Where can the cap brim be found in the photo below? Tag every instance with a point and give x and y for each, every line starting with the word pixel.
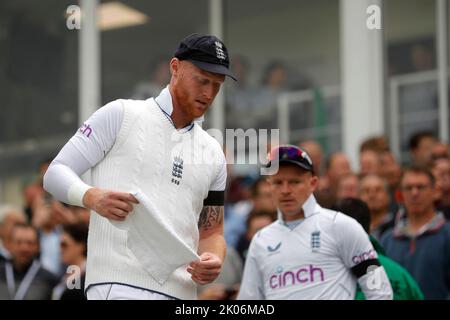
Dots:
pixel 214 68
pixel 287 161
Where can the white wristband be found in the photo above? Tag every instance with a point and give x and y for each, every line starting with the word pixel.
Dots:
pixel 76 193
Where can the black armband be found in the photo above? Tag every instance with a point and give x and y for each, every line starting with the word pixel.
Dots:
pixel 215 198
pixel 361 268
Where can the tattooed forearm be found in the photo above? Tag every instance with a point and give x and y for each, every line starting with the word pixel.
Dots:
pixel 210 217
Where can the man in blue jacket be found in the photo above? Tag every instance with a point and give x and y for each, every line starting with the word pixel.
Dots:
pixel 420 241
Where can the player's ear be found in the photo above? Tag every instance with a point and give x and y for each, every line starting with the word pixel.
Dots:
pixel 174 66
pixel 314 181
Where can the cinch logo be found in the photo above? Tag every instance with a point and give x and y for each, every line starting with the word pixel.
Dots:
pixel 85 129
pixel 364 256
pixel 303 275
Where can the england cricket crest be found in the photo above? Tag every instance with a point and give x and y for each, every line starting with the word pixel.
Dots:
pixel 219 51
pixel 315 241
pixel 177 170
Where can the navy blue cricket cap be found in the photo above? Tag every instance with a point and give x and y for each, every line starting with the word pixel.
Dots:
pixel 206 52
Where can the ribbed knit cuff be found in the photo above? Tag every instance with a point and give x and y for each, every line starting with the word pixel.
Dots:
pixel 76 193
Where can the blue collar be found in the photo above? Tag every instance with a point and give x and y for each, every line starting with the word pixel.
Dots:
pixel 164 101
pixel 291 224
pixel 401 228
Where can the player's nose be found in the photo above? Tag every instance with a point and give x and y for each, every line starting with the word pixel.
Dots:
pixel 285 188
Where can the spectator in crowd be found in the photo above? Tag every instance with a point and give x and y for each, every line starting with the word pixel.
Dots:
pixel 80 214
pixel 371 155
pixel 440 150
pixel 441 172
pixel 376 143
pixel 35 190
pixel 336 166
pixel 275 76
pixel 256 220
pixel 65 214
pixel 391 171
pixel 421 241
pixel 9 217
pixel 45 219
pixel 160 78
pixel 421 145
pixel 375 192
pixel 403 285
pixel 73 256
pixel 261 200
pixel 377 158
pixel 23 277
pixel 315 150
pixel 238 188
pixel 370 162
pixel 348 186
pixel 262 197
pixel 239 94
pixel 241 69
pixel 274 81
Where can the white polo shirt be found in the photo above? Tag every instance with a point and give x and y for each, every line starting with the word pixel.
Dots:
pixel 314 260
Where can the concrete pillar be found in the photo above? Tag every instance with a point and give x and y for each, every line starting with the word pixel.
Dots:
pixel 362 73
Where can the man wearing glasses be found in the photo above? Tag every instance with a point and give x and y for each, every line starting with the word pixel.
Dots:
pixel 309 252
pixel 420 241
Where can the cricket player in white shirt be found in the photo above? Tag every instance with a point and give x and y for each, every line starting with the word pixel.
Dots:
pixel 309 252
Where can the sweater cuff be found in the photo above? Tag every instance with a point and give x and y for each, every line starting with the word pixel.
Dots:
pixel 76 193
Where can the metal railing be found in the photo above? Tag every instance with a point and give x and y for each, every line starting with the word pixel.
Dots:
pixel 397 120
pixel 286 99
pixel 410 118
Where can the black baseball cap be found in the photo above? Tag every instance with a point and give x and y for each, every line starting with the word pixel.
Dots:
pixel 291 154
pixel 206 52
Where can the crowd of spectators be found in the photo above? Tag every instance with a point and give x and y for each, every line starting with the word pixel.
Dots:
pixel 43 247
pixel 407 208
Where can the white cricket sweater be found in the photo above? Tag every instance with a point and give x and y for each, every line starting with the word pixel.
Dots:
pixel 175 170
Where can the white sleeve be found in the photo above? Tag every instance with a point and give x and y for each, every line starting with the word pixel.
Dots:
pixel 252 285
pixel 358 254
pixel 220 180
pixel 354 245
pixel 84 150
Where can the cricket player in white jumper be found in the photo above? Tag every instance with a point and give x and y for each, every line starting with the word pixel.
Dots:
pixel 157 185
pixel 309 252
